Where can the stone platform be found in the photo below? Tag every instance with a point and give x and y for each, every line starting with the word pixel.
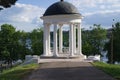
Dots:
pixel 61 58
pixel 64 57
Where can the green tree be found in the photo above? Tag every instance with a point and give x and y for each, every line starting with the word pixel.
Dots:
pixel 5 54
pixel 6 3
pixel 36 37
pixel 98 38
pixel 25 44
pixel 116 44
pixel 6 41
pixel 12 42
pixel 93 40
pixel 87 48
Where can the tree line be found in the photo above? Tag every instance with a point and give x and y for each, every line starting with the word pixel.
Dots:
pixel 15 44
pixel 98 39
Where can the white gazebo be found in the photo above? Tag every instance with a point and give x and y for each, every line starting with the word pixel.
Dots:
pixel 57 15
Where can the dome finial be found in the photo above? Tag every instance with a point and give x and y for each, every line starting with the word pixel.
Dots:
pixel 62 0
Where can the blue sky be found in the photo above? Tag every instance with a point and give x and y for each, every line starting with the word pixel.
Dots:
pixel 25 15
pixel 40 3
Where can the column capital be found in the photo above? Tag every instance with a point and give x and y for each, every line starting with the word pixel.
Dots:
pixel 71 23
pixel 47 24
pixel 60 25
pixel 55 24
pixel 76 24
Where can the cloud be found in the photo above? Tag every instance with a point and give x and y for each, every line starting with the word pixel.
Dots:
pixel 27 17
pixel 83 3
pixel 22 14
pixel 28 13
pixel 95 5
pixel 105 18
pixel 98 11
pixel 103 12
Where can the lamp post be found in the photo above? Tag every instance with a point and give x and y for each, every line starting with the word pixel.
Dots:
pixel 112 36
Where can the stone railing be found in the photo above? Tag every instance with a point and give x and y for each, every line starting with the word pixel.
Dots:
pixel 65 50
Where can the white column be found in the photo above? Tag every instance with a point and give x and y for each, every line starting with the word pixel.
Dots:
pixel 71 40
pixel 60 39
pixel 48 38
pixel 55 48
pixel 74 38
pixel 79 40
pixel 45 41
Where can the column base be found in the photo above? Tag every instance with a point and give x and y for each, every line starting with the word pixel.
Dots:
pixel 44 55
pixel 55 55
pixel 82 57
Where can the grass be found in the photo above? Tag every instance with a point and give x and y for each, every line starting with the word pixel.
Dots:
pixel 17 73
pixel 111 69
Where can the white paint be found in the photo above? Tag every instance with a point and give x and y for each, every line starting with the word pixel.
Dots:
pixel 45 41
pixel 71 46
pixel 74 39
pixel 55 47
pixel 62 19
pixel 60 39
pixel 79 40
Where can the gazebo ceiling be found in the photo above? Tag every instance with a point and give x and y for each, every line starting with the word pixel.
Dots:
pixel 61 8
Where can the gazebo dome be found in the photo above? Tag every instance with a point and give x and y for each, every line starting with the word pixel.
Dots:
pixel 61 8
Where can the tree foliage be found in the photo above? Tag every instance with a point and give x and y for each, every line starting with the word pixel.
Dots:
pixel 93 40
pixel 6 3
pixel 15 45
pixel 7 42
pixel 87 48
pixel 36 37
pixel 116 44
pixel 11 44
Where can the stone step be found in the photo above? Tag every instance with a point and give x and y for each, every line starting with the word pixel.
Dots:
pixel 64 57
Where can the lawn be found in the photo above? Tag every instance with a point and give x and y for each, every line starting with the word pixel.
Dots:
pixel 17 73
pixel 111 69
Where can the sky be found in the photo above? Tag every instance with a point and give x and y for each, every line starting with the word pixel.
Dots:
pixel 25 14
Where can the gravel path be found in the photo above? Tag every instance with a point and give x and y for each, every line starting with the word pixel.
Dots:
pixel 68 71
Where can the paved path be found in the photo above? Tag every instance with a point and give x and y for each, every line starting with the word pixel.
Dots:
pixel 68 71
